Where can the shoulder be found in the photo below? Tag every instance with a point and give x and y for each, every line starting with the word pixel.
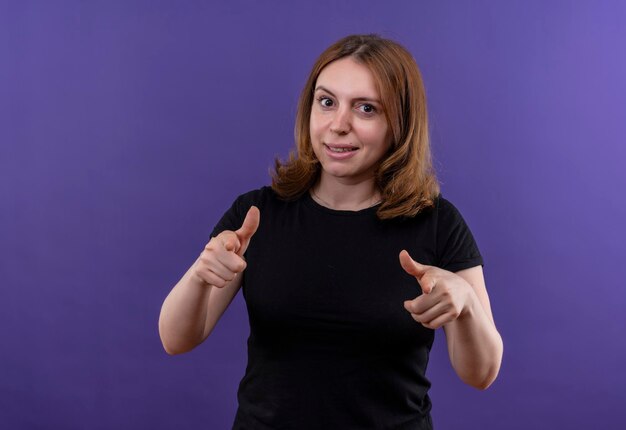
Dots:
pixel 456 246
pixel 232 219
pixel 440 210
pixel 257 194
pixel 258 197
pixel 445 206
pixel 446 212
pixel 449 221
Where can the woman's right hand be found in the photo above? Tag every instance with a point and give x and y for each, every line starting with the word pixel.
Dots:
pixel 222 258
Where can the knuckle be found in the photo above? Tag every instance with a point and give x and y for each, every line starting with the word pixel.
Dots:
pixel 204 259
pixel 227 234
pixel 211 244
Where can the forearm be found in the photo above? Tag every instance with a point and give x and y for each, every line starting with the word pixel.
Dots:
pixel 183 314
pixel 475 346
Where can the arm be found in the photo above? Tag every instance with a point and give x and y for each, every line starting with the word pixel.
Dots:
pixel 474 344
pixel 459 303
pixel 199 299
pixel 192 309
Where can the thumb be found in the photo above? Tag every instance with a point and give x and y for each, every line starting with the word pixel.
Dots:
pixel 411 266
pixel 248 228
pixel 250 224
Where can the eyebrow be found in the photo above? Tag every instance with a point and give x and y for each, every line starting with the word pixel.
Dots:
pixel 360 99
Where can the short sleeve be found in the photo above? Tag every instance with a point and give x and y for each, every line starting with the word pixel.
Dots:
pixel 234 216
pixel 456 247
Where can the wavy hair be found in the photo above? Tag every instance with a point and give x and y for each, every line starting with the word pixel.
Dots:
pixel 405 175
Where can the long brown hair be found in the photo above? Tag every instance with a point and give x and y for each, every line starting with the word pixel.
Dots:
pixel 405 175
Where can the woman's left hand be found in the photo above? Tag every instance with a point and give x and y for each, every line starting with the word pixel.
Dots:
pixel 446 296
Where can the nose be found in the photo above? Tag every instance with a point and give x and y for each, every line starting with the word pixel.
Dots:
pixel 341 121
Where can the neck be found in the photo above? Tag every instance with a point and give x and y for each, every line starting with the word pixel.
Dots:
pixel 335 194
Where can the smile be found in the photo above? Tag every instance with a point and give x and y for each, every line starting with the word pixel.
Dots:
pixel 340 152
pixel 340 149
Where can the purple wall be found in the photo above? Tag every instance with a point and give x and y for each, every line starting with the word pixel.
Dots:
pixel 127 128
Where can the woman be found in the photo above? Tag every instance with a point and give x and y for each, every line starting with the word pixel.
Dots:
pixel 352 260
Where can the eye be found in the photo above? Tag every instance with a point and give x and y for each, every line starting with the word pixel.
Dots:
pixel 367 108
pixel 325 101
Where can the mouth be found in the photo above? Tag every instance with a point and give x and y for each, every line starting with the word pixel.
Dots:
pixel 338 149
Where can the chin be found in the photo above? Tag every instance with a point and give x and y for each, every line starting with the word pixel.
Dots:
pixel 338 171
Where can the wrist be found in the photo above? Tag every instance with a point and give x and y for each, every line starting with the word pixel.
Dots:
pixel 195 280
pixel 471 304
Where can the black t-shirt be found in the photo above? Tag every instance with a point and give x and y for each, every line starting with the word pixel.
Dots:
pixel 331 345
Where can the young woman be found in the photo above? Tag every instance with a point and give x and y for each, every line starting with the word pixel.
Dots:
pixel 349 262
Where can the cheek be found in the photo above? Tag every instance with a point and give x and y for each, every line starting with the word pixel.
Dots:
pixel 314 136
pixel 313 126
pixel 316 128
pixel 379 134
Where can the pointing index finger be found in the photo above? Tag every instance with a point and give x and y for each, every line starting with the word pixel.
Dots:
pixel 230 241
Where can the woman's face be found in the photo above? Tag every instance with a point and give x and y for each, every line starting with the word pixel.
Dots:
pixel 349 131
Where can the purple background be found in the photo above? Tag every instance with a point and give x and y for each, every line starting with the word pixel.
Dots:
pixel 127 128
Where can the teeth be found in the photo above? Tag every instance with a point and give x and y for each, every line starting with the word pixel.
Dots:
pixel 340 149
